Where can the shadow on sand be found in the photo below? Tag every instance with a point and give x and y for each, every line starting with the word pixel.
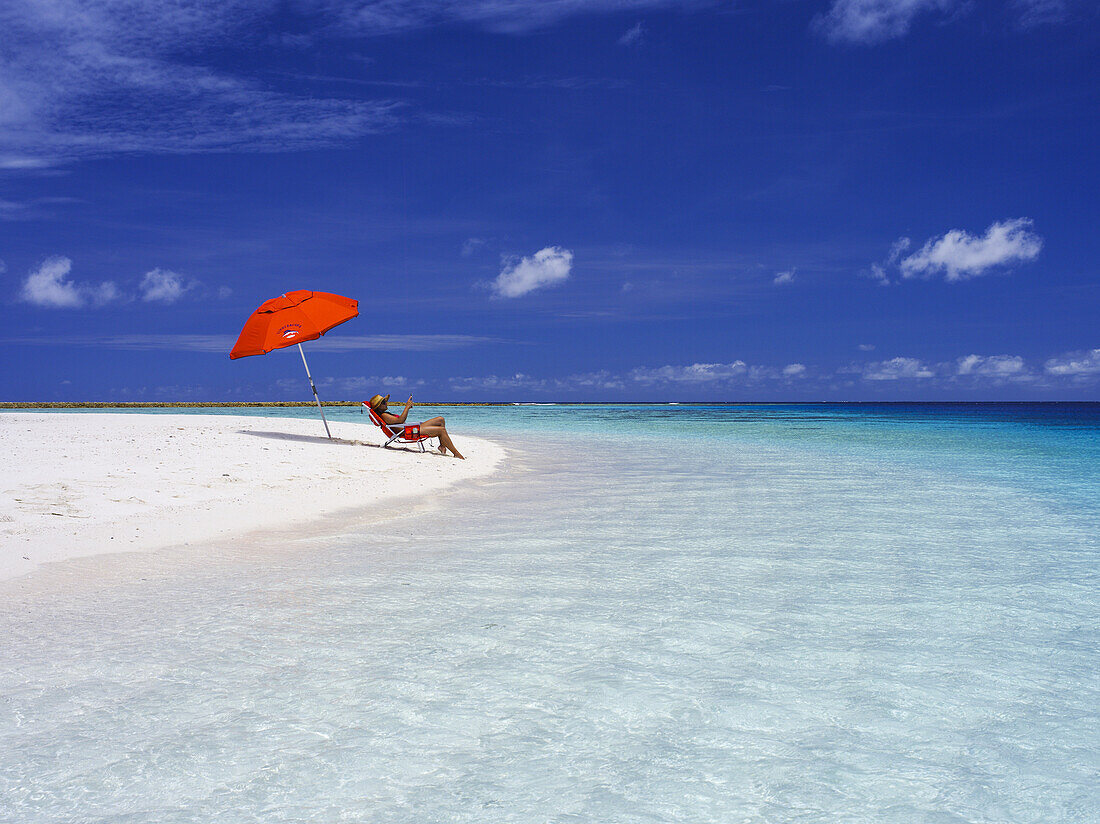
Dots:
pixel 289 436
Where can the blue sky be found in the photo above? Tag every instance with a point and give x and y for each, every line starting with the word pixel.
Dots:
pixel 601 200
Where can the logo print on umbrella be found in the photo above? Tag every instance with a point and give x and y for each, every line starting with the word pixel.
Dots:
pixel 291 330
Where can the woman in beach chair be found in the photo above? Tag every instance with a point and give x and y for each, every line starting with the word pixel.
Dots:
pixel 431 428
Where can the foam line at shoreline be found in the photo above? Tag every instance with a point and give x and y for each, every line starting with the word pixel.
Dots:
pixel 80 484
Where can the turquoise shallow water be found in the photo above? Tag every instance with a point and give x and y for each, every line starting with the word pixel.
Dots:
pixel 758 614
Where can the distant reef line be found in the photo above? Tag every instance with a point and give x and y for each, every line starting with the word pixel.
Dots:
pixel 303 404
pixel 198 405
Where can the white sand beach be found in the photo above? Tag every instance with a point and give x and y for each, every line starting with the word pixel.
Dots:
pixel 81 484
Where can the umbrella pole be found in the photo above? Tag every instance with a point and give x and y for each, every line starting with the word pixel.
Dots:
pixel 314 388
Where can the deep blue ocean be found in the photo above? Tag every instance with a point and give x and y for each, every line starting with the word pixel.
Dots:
pixel 677 613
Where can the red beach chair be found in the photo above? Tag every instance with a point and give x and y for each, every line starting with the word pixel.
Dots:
pixel 408 433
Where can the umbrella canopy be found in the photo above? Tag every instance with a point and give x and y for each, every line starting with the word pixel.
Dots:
pixel 292 319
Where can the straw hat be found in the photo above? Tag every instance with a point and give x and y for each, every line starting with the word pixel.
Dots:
pixel 378 400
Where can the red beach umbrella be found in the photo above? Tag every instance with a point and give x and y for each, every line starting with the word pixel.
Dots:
pixel 290 320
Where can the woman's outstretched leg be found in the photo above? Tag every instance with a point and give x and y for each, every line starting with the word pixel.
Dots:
pixel 438 421
pixel 445 441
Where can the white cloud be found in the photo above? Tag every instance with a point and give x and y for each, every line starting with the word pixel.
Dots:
pixel 87 78
pixel 140 343
pixel 163 286
pixel 897 369
pixel 223 343
pixel 878 274
pixel 106 292
pixel 10 210
pixel 90 78
pixel 361 385
pixel 500 382
pixel 960 255
pixel 32 209
pixel 472 245
pixel 546 267
pixel 597 380
pixel 21 163
pixel 969 372
pixel 993 366
pixel 585 380
pixel 899 247
pixel 505 16
pixel 399 343
pixel 695 373
pixel 633 36
pixel 878 271
pixel 698 374
pixel 782 278
pixel 49 286
pixel 868 22
pixel 1074 364
pixel 1041 12
pixel 866 347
